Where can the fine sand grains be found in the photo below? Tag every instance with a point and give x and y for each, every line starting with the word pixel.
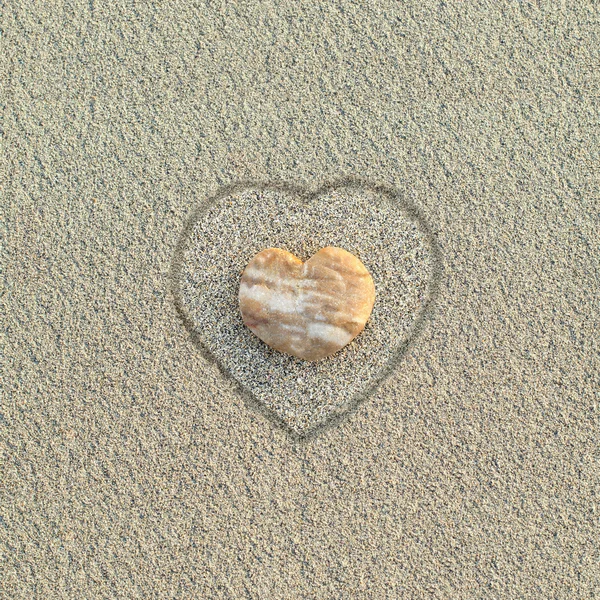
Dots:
pixel 367 223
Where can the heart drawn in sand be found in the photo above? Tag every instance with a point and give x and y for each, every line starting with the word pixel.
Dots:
pixel 330 338
pixel 309 310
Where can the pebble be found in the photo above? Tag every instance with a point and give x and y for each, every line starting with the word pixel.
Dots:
pixel 309 310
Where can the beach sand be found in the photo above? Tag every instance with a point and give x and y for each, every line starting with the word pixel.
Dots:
pixel 132 467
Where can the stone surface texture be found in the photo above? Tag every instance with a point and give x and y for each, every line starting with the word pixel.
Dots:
pixel 309 310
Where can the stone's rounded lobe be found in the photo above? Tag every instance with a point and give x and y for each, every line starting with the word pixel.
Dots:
pixel 309 310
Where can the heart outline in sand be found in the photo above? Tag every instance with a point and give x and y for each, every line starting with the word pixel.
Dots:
pixel 307 197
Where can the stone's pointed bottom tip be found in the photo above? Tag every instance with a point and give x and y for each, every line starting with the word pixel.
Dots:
pixel 309 310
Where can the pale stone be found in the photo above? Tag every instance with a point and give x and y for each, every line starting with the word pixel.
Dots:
pixel 309 310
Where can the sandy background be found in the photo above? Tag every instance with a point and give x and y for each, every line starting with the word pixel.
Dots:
pixel 130 467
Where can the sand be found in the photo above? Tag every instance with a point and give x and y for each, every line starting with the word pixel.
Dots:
pixel 132 467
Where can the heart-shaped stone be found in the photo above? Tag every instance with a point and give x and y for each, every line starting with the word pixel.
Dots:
pixel 309 310
pixel 373 223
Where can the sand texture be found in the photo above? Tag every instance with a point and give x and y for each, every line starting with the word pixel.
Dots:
pixel 132 467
